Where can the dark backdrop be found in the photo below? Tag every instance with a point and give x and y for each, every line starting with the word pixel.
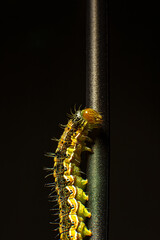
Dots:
pixel 135 120
pixel 42 76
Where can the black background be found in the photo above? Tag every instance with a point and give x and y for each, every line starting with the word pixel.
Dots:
pixel 43 76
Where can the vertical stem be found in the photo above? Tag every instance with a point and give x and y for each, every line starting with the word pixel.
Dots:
pixel 97 97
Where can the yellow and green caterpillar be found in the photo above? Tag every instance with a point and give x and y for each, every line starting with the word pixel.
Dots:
pixel 69 184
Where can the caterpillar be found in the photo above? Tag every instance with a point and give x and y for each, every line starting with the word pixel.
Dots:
pixel 69 185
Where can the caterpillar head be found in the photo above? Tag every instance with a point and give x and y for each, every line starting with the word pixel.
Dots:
pixel 92 117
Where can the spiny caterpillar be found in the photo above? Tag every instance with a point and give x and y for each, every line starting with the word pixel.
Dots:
pixel 69 184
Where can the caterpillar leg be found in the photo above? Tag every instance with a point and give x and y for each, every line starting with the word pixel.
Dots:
pixel 87 149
